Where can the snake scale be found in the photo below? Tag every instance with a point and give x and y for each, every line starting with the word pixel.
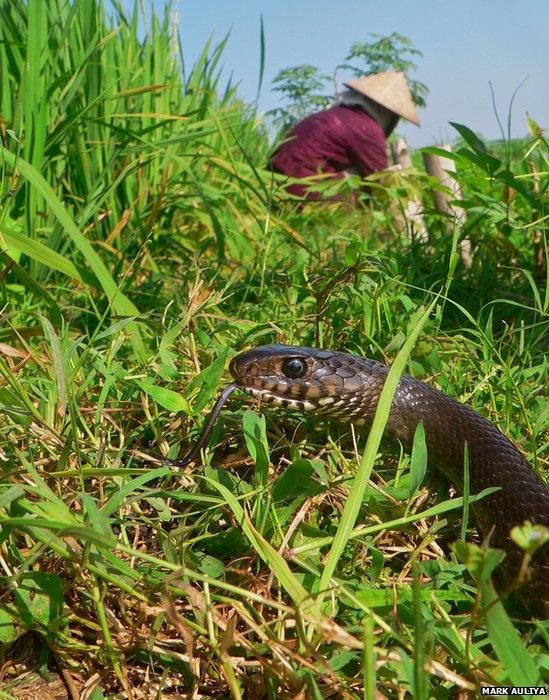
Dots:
pixel 347 388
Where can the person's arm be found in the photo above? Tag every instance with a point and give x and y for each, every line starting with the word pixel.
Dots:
pixel 366 149
pixel 368 157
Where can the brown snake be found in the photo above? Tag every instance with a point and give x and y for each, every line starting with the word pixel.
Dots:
pixel 346 388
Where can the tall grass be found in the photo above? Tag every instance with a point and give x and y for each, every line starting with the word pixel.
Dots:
pixel 142 244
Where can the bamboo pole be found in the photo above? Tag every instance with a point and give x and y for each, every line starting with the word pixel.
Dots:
pixel 413 211
pixel 443 169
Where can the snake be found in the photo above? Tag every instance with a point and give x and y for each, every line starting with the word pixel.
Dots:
pixel 344 387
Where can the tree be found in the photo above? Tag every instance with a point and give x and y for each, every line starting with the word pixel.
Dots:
pixel 387 53
pixel 301 88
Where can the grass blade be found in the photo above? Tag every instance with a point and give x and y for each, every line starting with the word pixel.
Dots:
pixel 353 503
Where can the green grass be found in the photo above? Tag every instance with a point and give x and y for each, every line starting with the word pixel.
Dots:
pixel 142 245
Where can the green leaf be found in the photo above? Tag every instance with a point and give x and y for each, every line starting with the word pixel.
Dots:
pixel 168 399
pixel 376 566
pixel 211 566
pixel 530 537
pixel 341 659
pixel 469 136
pixel 387 597
pixel 485 162
pixel 115 328
pixel 418 459
pixel 421 682
pixel 208 381
pixel 10 629
pixel 46 256
pixel 255 435
pixel 36 602
pixel 369 659
pixel 433 150
pixel 297 480
pixel 58 365
pixel 510 650
pixel 480 562
pixel 12 494
pixel 466 492
pixel 96 517
pixel 115 502
pixel 509 179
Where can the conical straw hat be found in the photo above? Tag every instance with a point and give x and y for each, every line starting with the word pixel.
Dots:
pixel 390 90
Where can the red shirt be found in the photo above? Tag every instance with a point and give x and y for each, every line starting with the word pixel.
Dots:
pixel 339 139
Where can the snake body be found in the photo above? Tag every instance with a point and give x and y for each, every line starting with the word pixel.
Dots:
pixel 345 387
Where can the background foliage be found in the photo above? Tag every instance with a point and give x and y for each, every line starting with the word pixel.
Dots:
pixel 142 244
pixel 304 89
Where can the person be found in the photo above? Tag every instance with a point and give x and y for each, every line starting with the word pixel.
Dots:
pixel 349 137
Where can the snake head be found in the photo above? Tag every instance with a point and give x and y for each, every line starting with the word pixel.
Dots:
pixel 303 379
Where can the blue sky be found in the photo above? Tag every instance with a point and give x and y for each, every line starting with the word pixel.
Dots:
pixel 465 46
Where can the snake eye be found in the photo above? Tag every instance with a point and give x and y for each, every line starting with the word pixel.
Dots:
pixel 294 368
